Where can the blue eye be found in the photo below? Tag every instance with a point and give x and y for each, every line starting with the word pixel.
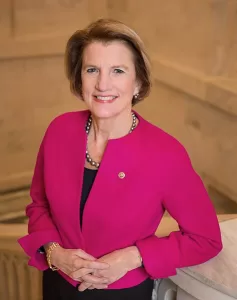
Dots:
pixel 118 71
pixel 91 70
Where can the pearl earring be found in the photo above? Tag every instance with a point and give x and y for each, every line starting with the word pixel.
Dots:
pixel 136 95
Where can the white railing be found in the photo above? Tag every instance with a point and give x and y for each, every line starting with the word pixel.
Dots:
pixel 18 281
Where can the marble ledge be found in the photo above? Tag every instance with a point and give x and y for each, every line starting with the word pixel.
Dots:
pixel 218 91
pixel 217 278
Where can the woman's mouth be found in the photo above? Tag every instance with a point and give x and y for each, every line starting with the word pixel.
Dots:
pixel 105 99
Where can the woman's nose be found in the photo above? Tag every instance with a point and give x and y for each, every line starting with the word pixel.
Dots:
pixel 103 82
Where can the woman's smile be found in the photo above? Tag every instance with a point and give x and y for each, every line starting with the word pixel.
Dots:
pixel 105 99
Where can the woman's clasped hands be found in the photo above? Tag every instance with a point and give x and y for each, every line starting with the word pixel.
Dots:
pixel 93 273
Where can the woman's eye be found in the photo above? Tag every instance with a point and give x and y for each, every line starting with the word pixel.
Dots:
pixel 118 71
pixel 91 70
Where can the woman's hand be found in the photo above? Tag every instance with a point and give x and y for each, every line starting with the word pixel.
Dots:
pixel 77 264
pixel 120 261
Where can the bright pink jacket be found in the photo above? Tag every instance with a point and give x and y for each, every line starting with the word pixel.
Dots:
pixel 120 212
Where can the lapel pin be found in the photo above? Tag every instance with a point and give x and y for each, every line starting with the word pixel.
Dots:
pixel 121 175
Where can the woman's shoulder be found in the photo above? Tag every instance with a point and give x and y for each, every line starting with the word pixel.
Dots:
pixel 66 125
pixel 67 120
pixel 70 117
pixel 163 141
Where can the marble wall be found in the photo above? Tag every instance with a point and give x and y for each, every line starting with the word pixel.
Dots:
pixel 193 48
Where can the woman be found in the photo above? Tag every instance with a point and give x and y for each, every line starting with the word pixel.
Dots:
pixel 104 178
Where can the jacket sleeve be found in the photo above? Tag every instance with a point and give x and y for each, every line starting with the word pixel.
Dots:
pixel 199 237
pixel 41 229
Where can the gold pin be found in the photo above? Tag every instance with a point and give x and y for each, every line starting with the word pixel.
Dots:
pixel 121 175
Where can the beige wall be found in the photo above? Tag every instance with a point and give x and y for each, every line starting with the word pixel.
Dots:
pixel 193 47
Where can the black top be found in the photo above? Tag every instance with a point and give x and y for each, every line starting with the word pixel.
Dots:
pixel 88 180
pixel 55 287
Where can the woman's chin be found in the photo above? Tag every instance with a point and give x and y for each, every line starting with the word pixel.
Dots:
pixel 103 113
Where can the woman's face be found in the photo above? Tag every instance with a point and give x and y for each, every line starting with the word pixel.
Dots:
pixel 108 78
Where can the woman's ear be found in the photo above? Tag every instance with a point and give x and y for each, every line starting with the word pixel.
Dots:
pixel 137 89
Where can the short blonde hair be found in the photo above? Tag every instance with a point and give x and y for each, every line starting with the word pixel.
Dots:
pixel 106 31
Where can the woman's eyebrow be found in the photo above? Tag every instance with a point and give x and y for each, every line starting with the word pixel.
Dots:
pixel 89 66
pixel 120 66
pixel 113 67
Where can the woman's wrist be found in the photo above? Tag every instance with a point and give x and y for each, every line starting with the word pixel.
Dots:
pixel 134 259
pixel 52 249
pixel 46 246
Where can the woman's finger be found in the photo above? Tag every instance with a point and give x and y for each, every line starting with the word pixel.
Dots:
pixel 96 265
pixel 83 286
pixel 91 287
pixel 82 263
pixel 80 273
pixel 87 276
pixel 98 286
pixel 95 280
pixel 82 254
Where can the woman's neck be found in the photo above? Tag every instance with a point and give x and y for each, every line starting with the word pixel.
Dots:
pixel 104 129
pixel 110 128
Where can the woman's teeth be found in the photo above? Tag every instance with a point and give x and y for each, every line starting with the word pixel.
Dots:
pixel 106 98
